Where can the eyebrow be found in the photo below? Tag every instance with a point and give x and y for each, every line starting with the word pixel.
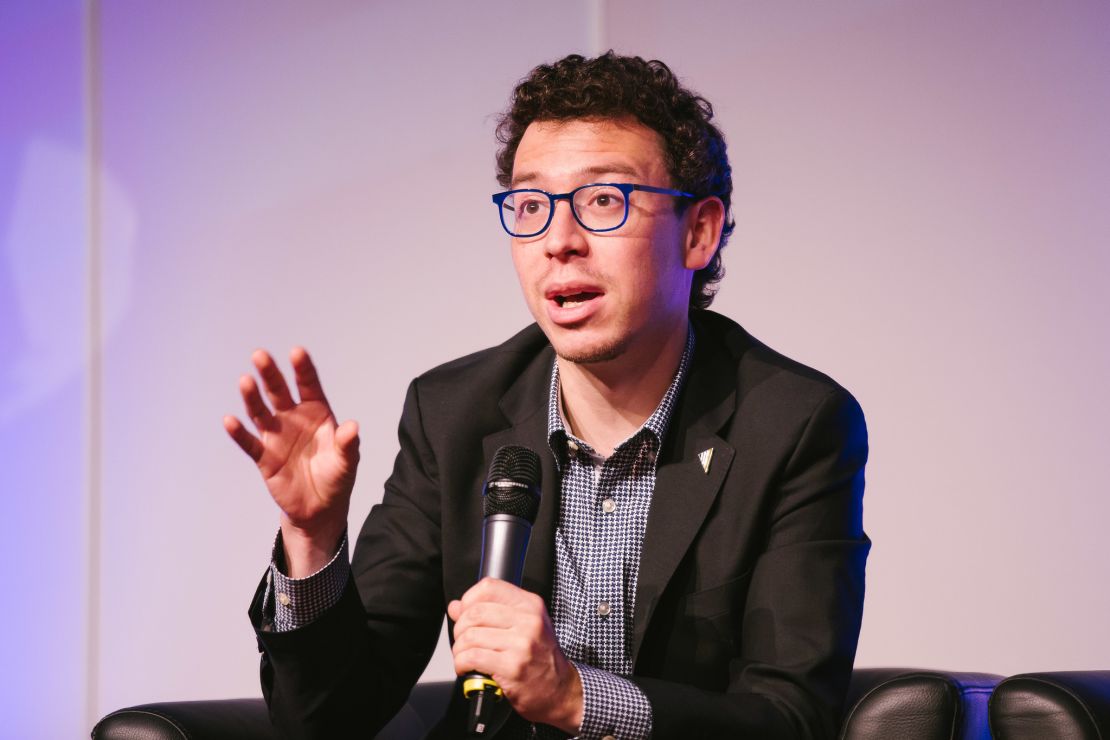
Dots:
pixel 602 169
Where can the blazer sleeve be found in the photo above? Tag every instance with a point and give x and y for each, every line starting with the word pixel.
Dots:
pixel 801 619
pixel 347 673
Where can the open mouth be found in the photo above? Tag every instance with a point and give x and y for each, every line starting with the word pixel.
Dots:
pixel 574 299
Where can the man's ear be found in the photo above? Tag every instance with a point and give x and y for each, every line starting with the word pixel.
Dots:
pixel 704 222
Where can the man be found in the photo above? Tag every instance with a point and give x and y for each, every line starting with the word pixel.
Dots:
pixel 696 568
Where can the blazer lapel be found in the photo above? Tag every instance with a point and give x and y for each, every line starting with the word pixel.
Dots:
pixel 525 405
pixel 684 489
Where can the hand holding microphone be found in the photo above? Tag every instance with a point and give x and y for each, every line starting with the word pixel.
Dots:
pixel 505 645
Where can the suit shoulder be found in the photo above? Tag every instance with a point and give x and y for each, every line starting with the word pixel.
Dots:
pixel 764 373
pixel 487 373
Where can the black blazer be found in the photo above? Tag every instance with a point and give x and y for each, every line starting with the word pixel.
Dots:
pixel 751 582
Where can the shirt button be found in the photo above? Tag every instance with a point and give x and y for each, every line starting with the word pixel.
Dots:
pixel 603 608
pixel 572 445
pixel 608 506
pixel 284 599
pixel 608 737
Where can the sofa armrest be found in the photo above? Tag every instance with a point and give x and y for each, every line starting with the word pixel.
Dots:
pixel 248 719
pixel 1043 706
pixel 221 719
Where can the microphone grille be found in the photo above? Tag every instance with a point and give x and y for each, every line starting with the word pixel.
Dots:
pixel 515 463
pixel 513 484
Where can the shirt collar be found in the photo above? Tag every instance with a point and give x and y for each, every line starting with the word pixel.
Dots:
pixel 656 424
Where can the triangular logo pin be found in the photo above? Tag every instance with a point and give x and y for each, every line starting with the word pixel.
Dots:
pixel 706 457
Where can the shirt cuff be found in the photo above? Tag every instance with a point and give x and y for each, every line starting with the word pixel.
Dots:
pixel 612 707
pixel 297 602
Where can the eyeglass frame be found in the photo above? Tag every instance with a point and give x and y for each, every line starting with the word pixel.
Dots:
pixel 553 199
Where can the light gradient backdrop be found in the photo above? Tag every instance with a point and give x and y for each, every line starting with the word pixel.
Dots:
pixel 922 207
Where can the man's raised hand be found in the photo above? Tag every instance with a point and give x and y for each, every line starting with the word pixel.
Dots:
pixel 307 461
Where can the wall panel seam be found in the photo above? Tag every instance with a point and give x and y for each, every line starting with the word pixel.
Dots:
pixel 94 389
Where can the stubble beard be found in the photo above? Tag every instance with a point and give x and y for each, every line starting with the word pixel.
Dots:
pixel 610 350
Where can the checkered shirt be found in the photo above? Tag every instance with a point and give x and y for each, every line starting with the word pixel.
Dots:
pixel 602 519
pixel 290 603
pixel 603 514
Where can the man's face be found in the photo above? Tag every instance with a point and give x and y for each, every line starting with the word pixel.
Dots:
pixel 599 296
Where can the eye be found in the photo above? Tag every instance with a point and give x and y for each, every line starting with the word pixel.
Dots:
pixel 605 198
pixel 528 205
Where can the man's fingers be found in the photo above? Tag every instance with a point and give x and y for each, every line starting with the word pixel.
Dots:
pixel 308 381
pixel 485 614
pixel 478 659
pixel 257 410
pixel 346 440
pixel 498 639
pixel 503 592
pixel 276 389
pixel 249 443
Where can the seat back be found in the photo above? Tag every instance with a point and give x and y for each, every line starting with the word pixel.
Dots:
pixel 1063 705
pixel 914 704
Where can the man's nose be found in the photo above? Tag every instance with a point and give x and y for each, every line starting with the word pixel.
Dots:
pixel 564 236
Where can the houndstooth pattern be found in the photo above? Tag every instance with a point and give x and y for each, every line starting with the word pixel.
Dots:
pixel 603 515
pixel 597 559
pixel 296 602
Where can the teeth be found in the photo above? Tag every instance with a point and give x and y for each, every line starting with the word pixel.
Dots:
pixel 577 299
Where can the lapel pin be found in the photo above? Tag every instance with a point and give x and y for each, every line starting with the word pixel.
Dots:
pixel 706 457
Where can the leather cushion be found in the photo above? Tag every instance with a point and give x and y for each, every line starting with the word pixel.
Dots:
pixel 917 705
pixel 1065 705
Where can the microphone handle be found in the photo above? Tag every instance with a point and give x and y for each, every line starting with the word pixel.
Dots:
pixel 504 542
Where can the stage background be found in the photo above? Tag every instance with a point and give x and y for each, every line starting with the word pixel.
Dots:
pixel 922 212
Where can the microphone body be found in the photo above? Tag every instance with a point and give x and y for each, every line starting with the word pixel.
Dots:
pixel 504 543
pixel 511 499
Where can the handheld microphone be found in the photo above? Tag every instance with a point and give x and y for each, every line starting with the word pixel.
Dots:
pixel 510 503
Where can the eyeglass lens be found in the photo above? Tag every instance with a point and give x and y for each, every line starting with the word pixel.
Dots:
pixel 598 208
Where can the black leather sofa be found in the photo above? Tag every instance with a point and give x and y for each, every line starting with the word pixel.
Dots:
pixel 883 704
pixel 1071 705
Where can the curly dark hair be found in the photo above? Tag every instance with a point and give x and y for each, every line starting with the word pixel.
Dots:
pixel 614 86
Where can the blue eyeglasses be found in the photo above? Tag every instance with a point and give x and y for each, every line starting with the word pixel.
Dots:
pixel 597 207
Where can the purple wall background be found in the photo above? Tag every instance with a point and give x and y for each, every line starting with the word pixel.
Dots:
pixel 922 213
